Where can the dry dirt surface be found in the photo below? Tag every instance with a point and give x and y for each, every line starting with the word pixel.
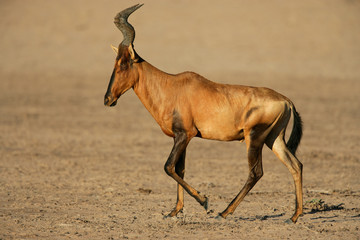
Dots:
pixel 71 168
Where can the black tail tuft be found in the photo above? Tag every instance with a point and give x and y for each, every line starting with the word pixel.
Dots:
pixel 296 133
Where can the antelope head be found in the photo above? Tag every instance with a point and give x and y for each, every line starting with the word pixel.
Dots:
pixel 125 72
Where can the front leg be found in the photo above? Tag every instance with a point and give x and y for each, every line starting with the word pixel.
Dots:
pixel 180 170
pixel 180 143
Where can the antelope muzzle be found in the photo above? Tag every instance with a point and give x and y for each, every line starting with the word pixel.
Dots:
pixel 109 100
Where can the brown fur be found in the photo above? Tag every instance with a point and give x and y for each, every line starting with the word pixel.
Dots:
pixel 187 105
pixel 212 111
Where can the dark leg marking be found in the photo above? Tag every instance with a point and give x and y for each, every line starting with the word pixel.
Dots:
pixel 180 143
pixel 251 111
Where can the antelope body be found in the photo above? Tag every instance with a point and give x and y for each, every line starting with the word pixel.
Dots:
pixel 187 105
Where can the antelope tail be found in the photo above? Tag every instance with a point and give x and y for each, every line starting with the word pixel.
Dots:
pixel 296 132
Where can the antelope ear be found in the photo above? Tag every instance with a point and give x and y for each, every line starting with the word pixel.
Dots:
pixel 116 50
pixel 132 53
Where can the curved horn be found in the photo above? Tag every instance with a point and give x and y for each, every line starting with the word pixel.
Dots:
pixel 121 22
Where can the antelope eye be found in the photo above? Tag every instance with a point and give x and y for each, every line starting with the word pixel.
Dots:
pixel 123 66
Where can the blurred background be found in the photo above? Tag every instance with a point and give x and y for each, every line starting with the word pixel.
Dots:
pixel 57 53
pixel 65 157
pixel 307 38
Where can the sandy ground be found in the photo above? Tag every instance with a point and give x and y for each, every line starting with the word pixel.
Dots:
pixel 71 168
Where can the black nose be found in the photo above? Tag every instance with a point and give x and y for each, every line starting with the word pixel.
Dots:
pixel 106 100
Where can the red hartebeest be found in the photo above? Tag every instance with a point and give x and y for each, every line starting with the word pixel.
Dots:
pixel 187 105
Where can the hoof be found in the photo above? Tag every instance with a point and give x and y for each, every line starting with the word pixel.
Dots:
pixel 219 217
pixel 173 213
pixel 206 203
pixel 289 221
pixel 170 217
pixel 295 218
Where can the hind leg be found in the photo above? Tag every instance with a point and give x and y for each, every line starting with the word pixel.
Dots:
pixel 254 151
pixel 295 167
